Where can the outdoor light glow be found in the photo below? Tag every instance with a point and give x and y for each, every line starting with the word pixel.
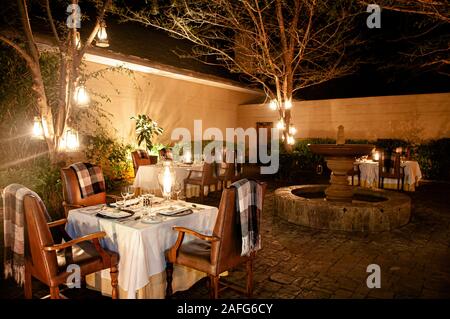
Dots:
pixel 188 157
pixel 376 156
pixel 273 104
pixel 69 141
pixel 398 150
pixel 102 36
pixel 292 130
pixel 290 140
pixel 38 131
pixel 72 140
pixel 77 40
pixel 81 96
pixel 288 104
pixel 280 125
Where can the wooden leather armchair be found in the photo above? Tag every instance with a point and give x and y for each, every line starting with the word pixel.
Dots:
pixel 228 174
pixel 389 166
pixel 206 178
pixel 138 161
pixel 213 254
pixel 72 195
pixel 43 262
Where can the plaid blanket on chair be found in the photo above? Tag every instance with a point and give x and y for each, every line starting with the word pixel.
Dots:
pixel 142 154
pixel 249 202
pixel 90 179
pixel 14 231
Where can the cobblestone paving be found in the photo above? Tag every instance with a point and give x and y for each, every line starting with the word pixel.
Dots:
pixel 298 262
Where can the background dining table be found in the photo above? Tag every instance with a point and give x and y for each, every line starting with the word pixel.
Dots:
pixel 369 175
pixel 147 177
pixel 141 247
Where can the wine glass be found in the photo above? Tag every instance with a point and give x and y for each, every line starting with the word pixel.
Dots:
pixel 124 190
pixel 177 189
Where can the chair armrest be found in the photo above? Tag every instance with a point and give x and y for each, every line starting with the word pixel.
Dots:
pixel 56 223
pixel 173 251
pixel 72 242
pixel 114 197
pixel 72 206
pixel 196 234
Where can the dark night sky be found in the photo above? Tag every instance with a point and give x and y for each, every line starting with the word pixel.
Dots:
pixel 383 71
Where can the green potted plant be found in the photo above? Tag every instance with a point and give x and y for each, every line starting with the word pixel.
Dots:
pixel 146 131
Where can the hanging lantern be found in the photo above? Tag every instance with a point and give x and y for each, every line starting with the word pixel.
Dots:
pixel 290 140
pixel 38 131
pixel 273 104
pixel 81 96
pixel 69 141
pixel 288 104
pixel 102 37
pixel 77 40
pixel 281 125
pixel 292 130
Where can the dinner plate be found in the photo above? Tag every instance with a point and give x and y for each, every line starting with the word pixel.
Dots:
pixel 151 220
pixel 110 215
pixel 177 214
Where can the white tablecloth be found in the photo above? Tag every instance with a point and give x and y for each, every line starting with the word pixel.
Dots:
pixel 140 246
pixel 369 175
pixel 147 177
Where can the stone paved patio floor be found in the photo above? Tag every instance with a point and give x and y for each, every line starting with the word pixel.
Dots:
pixel 299 262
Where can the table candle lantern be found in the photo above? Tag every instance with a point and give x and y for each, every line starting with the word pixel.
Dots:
pixel 166 179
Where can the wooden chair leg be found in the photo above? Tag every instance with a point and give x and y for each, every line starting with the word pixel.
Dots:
pixel 28 285
pixel 54 292
pixel 169 274
pixel 114 273
pixel 202 193
pixel 250 278
pixel 214 289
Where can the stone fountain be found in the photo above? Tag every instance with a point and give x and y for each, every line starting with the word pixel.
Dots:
pixel 340 206
pixel 340 159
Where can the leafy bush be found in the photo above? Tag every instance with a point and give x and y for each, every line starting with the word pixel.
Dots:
pixel 113 156
pixel 40 176
pixel 432 156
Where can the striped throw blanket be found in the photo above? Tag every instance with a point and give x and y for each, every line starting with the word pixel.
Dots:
pixel 90 179
pixel 249 201
pixel 14 230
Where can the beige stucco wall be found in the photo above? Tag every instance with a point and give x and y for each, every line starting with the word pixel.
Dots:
pixel 421 116
pixel 171 102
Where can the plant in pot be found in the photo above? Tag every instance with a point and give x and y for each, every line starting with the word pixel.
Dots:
pixel 146 131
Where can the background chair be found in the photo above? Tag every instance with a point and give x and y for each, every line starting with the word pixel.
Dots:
pixel 139 160
pixel 389 166
pixel 43 262
pixel 227 173
pixel 206 178
pixel 72 194
pixel 214 254
pixel 355 172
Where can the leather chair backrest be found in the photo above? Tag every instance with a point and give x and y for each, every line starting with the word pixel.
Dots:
pixel 389 164
pixel 72 193
pixel 208 173
pixel 138 161
pixel 38 236
pixel 226 253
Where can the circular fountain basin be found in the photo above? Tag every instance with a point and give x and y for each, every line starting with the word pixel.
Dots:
pixel 342 150
pixel 369 211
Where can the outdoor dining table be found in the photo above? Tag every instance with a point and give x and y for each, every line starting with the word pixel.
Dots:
pixel 147 177
pixel 141 247
pixel 369 175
